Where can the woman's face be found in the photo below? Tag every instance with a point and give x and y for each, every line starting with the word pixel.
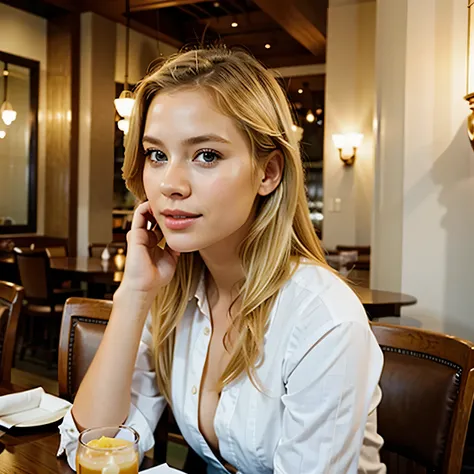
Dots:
pixel 197 162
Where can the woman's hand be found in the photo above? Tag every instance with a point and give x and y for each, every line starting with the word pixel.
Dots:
pixel 148 267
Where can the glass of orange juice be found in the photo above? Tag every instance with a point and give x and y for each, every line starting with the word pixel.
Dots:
pixel 108 450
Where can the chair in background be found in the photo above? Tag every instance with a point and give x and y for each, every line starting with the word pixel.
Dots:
pixel 11 300
pixel 360 249
pixel 428 388
pixel 58 251
pixel 95 250
pixel 44 302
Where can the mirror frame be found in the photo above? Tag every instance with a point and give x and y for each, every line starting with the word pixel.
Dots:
pixel 34 67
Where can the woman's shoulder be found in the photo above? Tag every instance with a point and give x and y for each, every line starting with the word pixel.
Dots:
pixel 319 292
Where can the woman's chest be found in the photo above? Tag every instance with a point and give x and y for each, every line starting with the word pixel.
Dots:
pixel 244 420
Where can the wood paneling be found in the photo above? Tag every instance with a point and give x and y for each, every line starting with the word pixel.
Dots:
pixel 305 20
pixel 62 123
pixel 138 5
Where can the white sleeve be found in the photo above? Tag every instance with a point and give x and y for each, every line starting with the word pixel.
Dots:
pixel 329 387
pixel 146 407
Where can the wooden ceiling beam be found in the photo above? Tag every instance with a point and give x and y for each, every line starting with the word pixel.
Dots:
pixel 114 10
pixel 276 61
pixel 140 5
pixel 305 20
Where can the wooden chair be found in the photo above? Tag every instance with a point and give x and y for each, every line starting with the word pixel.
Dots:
pixel 11 299
pixel 95 250
pixel 44 302
pixel 83 326
pixel 427 394
pixel 59 251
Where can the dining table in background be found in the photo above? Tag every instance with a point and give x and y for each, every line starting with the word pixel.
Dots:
pixel 94 271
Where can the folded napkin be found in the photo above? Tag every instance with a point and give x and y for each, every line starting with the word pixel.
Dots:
pixel 161 469
pixel 30 406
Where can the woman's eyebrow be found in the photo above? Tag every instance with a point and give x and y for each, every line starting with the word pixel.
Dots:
pixel 189 141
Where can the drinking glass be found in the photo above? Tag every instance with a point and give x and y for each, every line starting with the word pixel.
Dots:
pixel 118 454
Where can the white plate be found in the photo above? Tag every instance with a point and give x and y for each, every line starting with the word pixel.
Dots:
pixel 46 420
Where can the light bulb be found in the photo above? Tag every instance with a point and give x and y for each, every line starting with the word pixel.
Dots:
pixel 123 125
pixel 7 113
pixel 124 104
pixel 339 141
pixel 300 91
pixel 310 116
pixel 268 46
pixel 234 24
pixel 355 139
pixel 3 134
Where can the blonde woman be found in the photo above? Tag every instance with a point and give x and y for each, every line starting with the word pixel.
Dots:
pixel 264 355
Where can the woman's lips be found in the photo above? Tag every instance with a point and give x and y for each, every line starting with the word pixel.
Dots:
pixel 174 223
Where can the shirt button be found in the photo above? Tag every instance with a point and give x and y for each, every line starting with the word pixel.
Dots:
pixel 207 331
pixel 194 390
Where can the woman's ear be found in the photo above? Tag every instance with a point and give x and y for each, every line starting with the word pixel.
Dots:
pixel 271 173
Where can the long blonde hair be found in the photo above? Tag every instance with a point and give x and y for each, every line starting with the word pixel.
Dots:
pixel 282 231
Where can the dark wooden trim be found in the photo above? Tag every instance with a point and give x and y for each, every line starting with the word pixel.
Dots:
pixel 74 150
pixel 34 67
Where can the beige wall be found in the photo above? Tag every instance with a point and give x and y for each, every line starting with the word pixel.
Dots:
pixel 24 35
pixel 96 131
pixel 349 107
pixel 143 50
pixel 433 169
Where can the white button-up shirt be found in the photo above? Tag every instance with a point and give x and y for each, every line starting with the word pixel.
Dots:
pixel 320 373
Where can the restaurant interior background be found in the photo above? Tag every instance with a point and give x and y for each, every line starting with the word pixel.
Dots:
pixel 378 89
pixel 390 75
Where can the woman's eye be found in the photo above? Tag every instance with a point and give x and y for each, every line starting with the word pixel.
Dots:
pixel 207 156
pixel 155 156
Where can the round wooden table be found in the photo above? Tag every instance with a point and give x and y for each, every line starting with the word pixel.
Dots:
pixel 379 304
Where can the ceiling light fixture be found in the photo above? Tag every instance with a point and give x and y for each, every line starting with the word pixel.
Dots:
pixel 234 24
pixel 310 116
pixel 268 46
pixel 124 104
pixel 300 91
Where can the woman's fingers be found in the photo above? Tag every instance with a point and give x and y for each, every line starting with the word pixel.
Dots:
pixel 142 215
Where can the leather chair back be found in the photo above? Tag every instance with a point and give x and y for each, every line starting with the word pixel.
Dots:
pixel 82 328
pixel 11 300
pixel 427 393
pixel 35 275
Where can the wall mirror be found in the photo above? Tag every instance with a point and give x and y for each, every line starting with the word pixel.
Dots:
pixel 19 91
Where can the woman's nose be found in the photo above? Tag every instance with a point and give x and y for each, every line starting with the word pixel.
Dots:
pixel 175 181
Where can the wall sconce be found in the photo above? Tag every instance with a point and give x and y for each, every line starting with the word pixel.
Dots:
pixel 123 125
pixel 343 142
pixel 470 71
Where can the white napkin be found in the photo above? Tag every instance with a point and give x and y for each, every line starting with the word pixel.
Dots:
pixel 30 406
pixel 161 469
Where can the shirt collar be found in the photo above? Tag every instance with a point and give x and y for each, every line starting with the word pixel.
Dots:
pixel 198 289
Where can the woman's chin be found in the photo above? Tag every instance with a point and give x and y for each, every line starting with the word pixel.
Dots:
pixel 182 247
